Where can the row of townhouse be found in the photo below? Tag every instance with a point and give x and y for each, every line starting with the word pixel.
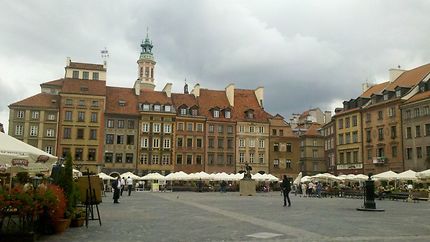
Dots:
pixel 117 129
pixel 386 128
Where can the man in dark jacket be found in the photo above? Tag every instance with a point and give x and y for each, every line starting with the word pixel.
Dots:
pixel 286 188
pixel 116 185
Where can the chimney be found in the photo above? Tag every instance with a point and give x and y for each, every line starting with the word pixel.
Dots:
pixel 259 94
pixel 168 89
pixel 395 73
pixel 196 90
pixel 68 60
pixel 365 86
pixel 229 92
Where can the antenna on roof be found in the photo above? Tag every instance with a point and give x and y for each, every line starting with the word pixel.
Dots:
pixel 105 55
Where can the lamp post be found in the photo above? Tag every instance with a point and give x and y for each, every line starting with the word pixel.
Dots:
pixel 369 197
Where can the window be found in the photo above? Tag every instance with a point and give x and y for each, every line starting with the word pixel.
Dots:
pixel 95 75
pixel 91 154
pixel 250 114
pixel 79 154
pixel 241 129
pixel 355 156
pixel 230 143
pixel 85 75
pixel 408 132
pixel 33 130
pixel 368 117
pixel 167 128
pixel 143 158
pixel 51 116
pixel 145 127
pixel 251 157
pixel 393 132
pixel 50 132
pixel 165 159
pixel 80 134
pixel 109 138
pixel 118 157
pixel 183 111
pixel 179 159
pixel 288 163
pixel 381 134
pixel 427 127
pixel 381 152
pixel 419 153
pixel 380 115
pixel 108 157
pixel 68 116
pixel 289 147
pixel 211 128
pixel 49 150
pixel 394 151
pixel 229 129
pixel 145 107
pixel 354 121
pixel 130 139
pixel 391 112
pixel 120 139
pixel 261 129
pixel 241 143
pixel 241 157
pixel 261 158
pixel 35 115
pixel 220 129
pixel 216 113
pixel 354 137
pixel 314 153
pixel 130 124
pixel 276 163
pixel 94 103
pixel 179 142
pixel 120 124
pixel 144 142
pixel 340 124
pixel 75 74
pixel 398 93
pixel 199 143
pixel 129 158
pixel 261 143
pixel 19 129
pixel 110 123
pixel 166 143
pixel 347 138
pixel 211 143
pixel 347 121
pixel 251 129
pixel 81 116
pixel 180 126
pixel 189 142
pixel 340 139
pixel 67 133
pixel 220 143
pixel 81 103
pixel 94 117
pixel 416 112
pixel 281 132
pixel 189 159
pixel 156 143
pixel 227 114
pixel 167 108
pixel 418 131
pixel 199 127
pixel 276 147
pixel 251 142
pixel 156 128
pixel 194 112
pixel 157 107
pixel 408 114
pixel 369 154
pixel 428 151
pixel 190 126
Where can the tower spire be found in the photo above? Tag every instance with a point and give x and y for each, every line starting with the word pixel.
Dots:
pixel 146 64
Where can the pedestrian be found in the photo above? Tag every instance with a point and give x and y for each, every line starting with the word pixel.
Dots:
pixel 223 186
pixel 286 188
pixel 116 185
pixel 304 189
pixel 129 185
pixel 122 185
pixel 319 189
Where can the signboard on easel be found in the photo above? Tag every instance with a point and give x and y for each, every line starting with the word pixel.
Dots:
pixel 96 184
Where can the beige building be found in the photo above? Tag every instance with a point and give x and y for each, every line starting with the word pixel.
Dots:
pixel 312 159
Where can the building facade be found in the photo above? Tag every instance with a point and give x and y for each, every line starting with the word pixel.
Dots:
pixel 329 133
pixel 312 159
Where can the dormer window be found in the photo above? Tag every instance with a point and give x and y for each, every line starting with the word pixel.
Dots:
pixel 227 114
pixel 84 89
pixel 167 108
pixel 385 96
pixel 216 113
pixel 249 114
pixel 194 112
pixel 75 74
pixel 183 111
pixel 85 75
pixel 121 103
pixel 398 92
pixel 157 107
pixel 145 107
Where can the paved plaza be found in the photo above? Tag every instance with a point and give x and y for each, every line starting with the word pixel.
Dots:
pixel 189 216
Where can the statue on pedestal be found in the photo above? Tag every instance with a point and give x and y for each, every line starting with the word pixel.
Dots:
pixel 248 170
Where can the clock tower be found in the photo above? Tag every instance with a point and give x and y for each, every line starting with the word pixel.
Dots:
pixel 146 65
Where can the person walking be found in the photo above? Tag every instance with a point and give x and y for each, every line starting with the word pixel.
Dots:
pixel 129 185
pixel 286 188
pixel 304 189
pixel 116 185
pixel 122 185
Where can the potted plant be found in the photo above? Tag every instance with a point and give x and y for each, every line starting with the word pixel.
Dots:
pixel 78 218
pixel 57 213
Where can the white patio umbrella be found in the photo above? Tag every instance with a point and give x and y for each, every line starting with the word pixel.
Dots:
pixel 131 175
pixel 305 179
pixel 423 174
pixel 271 177
pixel 258 177
pixel 222 177
pixel 76 173
pixel 201 176
pixel 361 177
pixel 407 175
pixel 104 176
pixel 385 176
pixel 325 177
pixel 177 176
pixel 297 180
pixel 153 176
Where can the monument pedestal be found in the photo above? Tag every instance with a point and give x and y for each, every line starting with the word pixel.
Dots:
pixel 247 187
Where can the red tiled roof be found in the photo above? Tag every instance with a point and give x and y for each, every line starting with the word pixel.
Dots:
pixel 410 78
pixel 44 100
pixel 147 96
pixel 116 94
pixel 180 99
pixel 378 88
pixel 245 100
pixel 313 130
pixel 84 87
pixel 209 99
pixel 345 112
pixel 86 66
pixel 58 82
pixel 419 96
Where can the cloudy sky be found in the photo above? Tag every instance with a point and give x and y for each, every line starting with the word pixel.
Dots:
pixel 305 53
